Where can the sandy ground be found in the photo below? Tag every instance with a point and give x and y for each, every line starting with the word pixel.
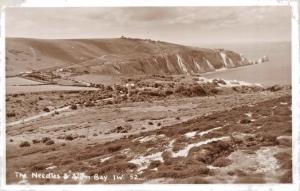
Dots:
pixel 230 138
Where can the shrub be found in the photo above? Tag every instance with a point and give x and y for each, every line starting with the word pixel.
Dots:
pixel 46 109
pixel 74 107
pixel 221 162
pixel 25 144
pixel 49 142
pixel 35 141
pixel 245 121
pixel 114 148
pixel 45 139
pixel 274 88
pixel 11 114
pixel 69 137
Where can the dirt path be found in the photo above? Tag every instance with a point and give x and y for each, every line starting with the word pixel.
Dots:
pixel 207 135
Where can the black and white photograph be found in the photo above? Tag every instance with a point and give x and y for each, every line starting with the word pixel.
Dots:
pixel 148 95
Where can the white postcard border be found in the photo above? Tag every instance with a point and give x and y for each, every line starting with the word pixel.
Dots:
pixel 123 3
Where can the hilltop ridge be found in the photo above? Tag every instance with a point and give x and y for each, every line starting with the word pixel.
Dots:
pixel 116 56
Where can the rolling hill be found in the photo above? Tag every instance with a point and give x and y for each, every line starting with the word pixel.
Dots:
pixel 118 56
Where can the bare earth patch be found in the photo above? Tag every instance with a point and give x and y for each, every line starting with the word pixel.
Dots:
pixel 189 140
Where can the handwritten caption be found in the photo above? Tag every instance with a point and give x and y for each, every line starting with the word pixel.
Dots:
pixel 76 176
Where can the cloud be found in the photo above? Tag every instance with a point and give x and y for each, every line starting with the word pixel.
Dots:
pixel 164 23
pixel 208 16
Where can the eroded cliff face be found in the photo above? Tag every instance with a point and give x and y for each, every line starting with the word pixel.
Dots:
pixel 184 62
pixel 116 56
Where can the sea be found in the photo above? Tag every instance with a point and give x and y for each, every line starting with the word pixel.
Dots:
pixel 276 71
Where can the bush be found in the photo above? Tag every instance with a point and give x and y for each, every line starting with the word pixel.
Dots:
pixel 37 167
pixel 45 139
pixel 46 109
pixel 114 148
pixel 274 88
pixel 191 90
pixel 168 92
pixel 49 142
pixel 35 141
pixel 221 162
pixel 245 121
pixel 154 164
pixel 11 114
pixel 109 102
pixel 69 137
pixel 74 107
pixel 25 144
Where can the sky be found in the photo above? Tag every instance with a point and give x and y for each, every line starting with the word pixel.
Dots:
pixel 184 25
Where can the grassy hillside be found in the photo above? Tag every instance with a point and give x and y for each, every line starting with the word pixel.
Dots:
pixel 124 56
